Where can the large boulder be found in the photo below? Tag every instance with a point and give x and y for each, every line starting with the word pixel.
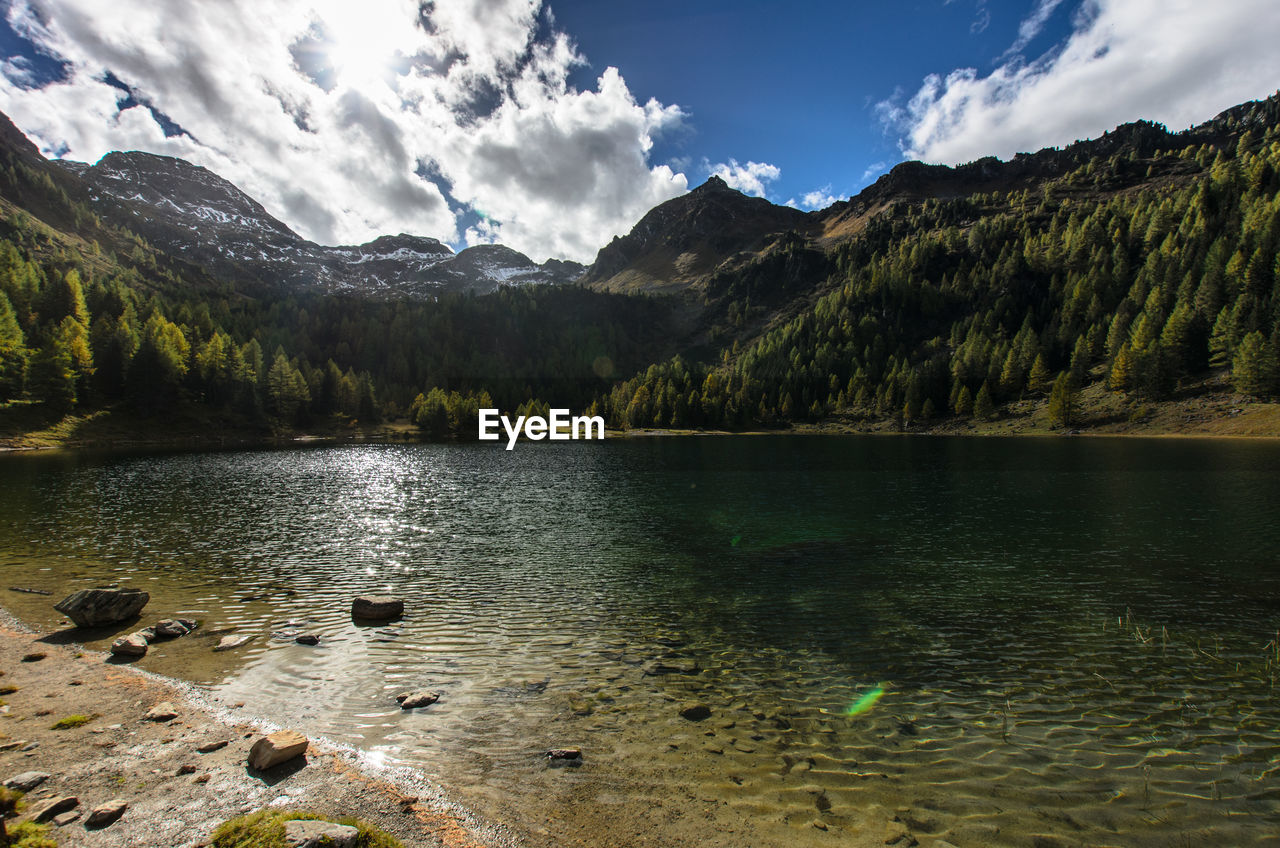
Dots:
pixel 377 607
pixel 279 747
pixel 102 607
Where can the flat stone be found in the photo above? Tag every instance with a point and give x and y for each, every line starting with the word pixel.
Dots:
pixel 314 834
pixel 277 748
pixel 413 700
pixel 232 642
pixel 100 607
pixel 172 628
pixel 210 747
pixel 133 645
pixel 107 813
pixel 163 711
pixel 45 810
pixel 34 657
pixel 64 819
pixel 26 781
pixel 308 639
pixel 564 754
pixel 186 769
pixel 10 746
pixel 695 712
pixel 377 607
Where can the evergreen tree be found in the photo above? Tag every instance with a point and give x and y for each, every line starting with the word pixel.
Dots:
pixel 983 407
pixel 1062 400
pixel 1254 368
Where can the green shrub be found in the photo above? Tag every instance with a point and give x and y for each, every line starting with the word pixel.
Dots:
pixel 265 829
pixel 31 835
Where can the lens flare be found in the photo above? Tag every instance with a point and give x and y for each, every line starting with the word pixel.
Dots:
pixel 866 702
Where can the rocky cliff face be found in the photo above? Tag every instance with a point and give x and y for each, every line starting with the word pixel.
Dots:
pixel 192 212
pixel 683 241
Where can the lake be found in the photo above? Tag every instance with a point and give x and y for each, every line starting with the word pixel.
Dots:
pixel 1049 641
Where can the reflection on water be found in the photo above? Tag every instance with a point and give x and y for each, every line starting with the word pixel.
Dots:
pixel 1073 639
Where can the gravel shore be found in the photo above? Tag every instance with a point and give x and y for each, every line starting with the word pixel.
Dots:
pixel 177 795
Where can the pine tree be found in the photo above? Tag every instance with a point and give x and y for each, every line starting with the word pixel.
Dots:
pixel 1254 368
pixel 983 406
pixel 1038 379
pixel 13 353
pixel 1062 400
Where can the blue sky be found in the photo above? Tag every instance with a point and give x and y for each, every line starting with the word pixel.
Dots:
pixel 553 125
pixel 794 84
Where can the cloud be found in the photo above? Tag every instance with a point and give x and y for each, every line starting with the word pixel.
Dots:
pixel 874 169
pixel 749 178
pixel 352 120
pixel 1173 61
pixel 817 199
pixel 1032 25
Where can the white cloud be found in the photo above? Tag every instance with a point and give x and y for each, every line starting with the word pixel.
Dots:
pixel 749 178
pixel 1173 61
pixel 330 113
pixel 817 199
pixel 874 169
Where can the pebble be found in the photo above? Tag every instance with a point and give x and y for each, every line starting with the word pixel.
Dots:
pixel 163 711
pixel 210 747
pixel 231 642
pixel 413 700
pixel 34 657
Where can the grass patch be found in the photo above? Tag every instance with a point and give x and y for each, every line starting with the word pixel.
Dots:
pixel 265 829
pixel 70 721
pixel 31 835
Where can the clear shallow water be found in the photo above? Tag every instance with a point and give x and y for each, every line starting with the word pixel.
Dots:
pixel 1072 634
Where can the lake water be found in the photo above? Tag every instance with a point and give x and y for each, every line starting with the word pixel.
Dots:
pixel 1074 639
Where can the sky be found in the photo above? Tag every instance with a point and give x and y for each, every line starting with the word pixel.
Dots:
pixel 553 125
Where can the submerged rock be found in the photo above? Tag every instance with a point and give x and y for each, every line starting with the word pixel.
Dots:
pixel 413 700
pixel 307 639
pixel 377 607
pixel 277 748
pixel 232 642
pixel 564 754
pixel 308 833
pixel 100 607
pixel 695 712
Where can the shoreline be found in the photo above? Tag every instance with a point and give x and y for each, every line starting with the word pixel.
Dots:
pixel 177 795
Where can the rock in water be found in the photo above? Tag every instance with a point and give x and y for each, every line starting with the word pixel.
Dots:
pixel 377 607
pixel 279 747
pixel 695 712
pixel 163 711
pixel 564 754
pixel 231 642
pixel 100 607
pixel 413 700
pixel 133 645
pixel 26 781
pixel 313 834
pixel 46 810
pixel 106 814
pixel 308 639
pixel 172 628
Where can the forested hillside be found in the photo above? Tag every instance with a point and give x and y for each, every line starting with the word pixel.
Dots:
pixel 1137 264
pixel 1138 269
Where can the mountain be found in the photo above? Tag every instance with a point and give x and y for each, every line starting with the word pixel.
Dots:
pixel 189 211
pixel 682 242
